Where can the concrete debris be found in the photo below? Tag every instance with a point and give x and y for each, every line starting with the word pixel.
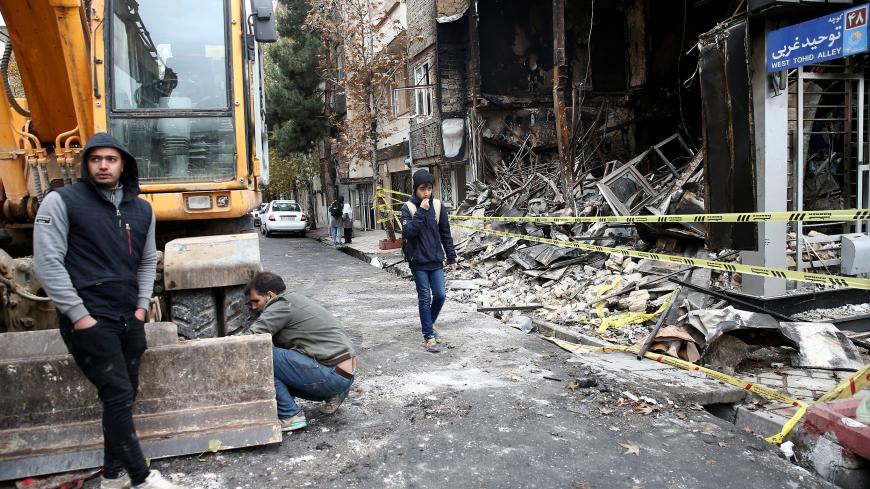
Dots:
pixel 822 345
pixel 637 301
pixel 580 290
pixel 462 285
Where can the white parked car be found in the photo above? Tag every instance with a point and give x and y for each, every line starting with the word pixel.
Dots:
pixel 283 216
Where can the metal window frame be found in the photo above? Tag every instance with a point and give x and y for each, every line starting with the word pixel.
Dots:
pixel 159 112
pixel 617 205
pixel 800 240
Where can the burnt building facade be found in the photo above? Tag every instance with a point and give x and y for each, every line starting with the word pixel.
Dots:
pixel 483 75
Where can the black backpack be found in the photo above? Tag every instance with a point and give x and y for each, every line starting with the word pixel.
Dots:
pixel 335 210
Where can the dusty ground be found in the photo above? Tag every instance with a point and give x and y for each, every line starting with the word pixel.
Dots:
pixel 493 410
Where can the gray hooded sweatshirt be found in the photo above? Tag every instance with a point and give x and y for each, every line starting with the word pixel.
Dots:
pixel 50 244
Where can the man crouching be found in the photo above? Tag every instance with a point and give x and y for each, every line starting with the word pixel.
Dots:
pixel 313 356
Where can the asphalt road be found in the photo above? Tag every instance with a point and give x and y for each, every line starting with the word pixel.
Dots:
pixel 480 414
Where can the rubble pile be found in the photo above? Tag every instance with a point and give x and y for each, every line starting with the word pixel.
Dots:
pixel 574 287
pixel 677 309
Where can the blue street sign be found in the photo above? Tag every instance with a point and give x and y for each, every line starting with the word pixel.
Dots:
pixel 814 41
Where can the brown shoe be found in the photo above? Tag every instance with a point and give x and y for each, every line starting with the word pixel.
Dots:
pixel 332 404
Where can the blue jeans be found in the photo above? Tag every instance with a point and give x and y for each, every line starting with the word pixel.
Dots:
pixel 336 234
pixel 298 375
pixel 430 297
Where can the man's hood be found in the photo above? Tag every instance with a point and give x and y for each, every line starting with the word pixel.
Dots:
pixel 130 175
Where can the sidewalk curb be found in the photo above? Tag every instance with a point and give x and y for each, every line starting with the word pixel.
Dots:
pixel 367 258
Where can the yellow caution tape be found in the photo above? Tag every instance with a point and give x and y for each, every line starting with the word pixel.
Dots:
pixel 761 390
pixel 603 289
pixel 789 425
pixel 805 216
pixel 858 381
pixel 813 278
pixel 386 198
pixel 626 318
pixel 386 209
pixel 845 389
pixel 391 191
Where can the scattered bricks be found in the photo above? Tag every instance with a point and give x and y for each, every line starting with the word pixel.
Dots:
pixel 810 383
pixel 802 394
pixel 822 374
pixel 797 373
pixel 770 378
pixel 748 378
pixel 637 301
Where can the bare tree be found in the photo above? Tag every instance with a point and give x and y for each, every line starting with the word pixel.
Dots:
pixel 363 66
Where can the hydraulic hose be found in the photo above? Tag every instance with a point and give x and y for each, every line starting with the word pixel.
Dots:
pixel 4 71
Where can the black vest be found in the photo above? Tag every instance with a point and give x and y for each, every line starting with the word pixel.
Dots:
pixel 104 248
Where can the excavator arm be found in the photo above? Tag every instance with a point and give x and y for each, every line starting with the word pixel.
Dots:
pixel 53 52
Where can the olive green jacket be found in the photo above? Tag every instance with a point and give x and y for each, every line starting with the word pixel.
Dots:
pixel 299 323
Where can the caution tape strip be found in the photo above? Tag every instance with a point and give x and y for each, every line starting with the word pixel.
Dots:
pixel 845 389
pixel 759 389
pixel 391 191
pixel 626 318
pixel 813 278
pixel 805 216
pixel 786 216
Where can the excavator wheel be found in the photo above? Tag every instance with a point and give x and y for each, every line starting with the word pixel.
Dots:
pixel 195 313
pixel 237 316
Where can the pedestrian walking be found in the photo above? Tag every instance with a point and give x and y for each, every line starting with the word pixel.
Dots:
pixel 313 356
pixel 347 222
pixel 335 224
pixel 95 255
pixel 426 231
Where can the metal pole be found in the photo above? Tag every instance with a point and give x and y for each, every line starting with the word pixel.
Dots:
pixel 799 172
pixel 859 197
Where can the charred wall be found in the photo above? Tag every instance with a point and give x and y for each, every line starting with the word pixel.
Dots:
pixel 626 59
pixel 516 48
pixel 452 64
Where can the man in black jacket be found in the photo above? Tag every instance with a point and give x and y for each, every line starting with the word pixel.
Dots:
pixel 95 255
pixel 427 238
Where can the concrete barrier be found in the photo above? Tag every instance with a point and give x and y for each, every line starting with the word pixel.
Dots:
pixel 190 393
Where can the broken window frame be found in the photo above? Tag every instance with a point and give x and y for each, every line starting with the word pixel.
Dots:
pixel 617 205
pixel 660 151
pixel 422 90
pixel 399 96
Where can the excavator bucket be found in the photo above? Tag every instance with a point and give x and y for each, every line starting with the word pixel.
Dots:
pixel 194 396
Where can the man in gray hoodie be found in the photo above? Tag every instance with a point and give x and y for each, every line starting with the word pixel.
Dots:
pixel 95 255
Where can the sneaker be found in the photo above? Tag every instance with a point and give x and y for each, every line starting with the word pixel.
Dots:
pixel 432 346
pixel 121 482
pixel 294 423
pixel 157 481
pixel 436 334
pixel 332 404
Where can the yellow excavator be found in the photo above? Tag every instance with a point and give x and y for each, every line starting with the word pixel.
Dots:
pixel 180 83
